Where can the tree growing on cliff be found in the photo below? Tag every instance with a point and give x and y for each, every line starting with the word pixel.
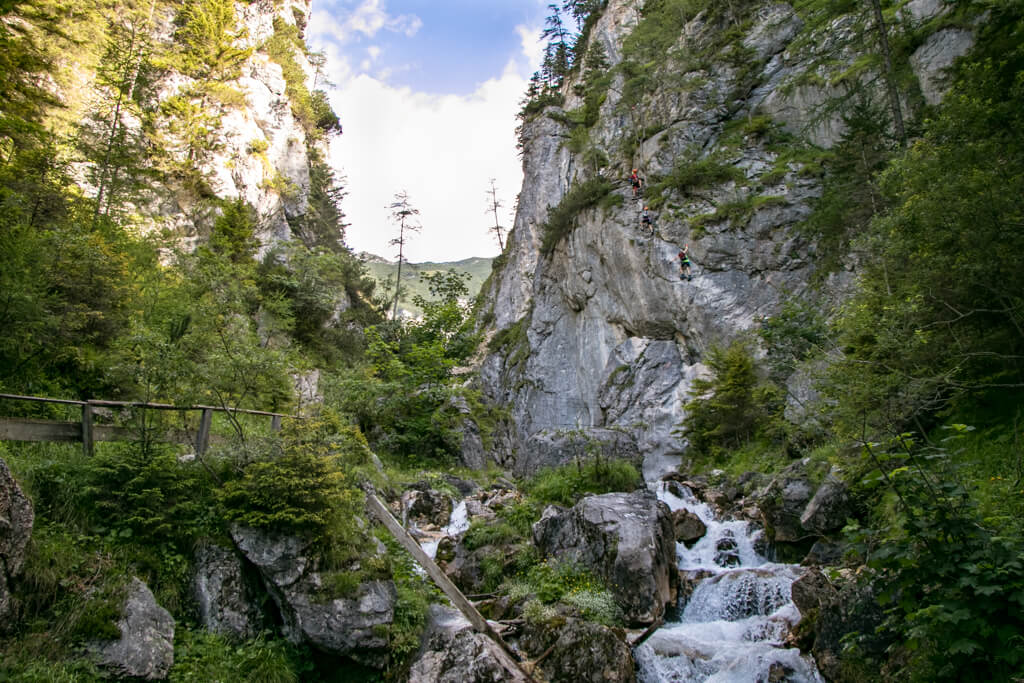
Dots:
pixel 493 204
pixel 404 215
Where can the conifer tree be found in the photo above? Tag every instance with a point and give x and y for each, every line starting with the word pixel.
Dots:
pixel 111 136
pixel 403 214
pixel 493 204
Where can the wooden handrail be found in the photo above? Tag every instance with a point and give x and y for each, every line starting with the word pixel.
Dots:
pixel 15 429
pixel 140 404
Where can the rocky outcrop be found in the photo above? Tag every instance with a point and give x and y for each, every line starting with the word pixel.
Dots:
pixel 145 649
pixel 628 539
pixel 828 510
pixel 600 333
pixel 424 505
pixel 225 595
pixel 555 448
pixel 355 625
pixel 830 610
pixel 16 517
pixel 452 652
pixel 577 650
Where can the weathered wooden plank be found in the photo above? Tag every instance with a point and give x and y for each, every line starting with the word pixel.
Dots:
pixel 203 435
pixel 25 429
pixel 380 511
pixel 87 431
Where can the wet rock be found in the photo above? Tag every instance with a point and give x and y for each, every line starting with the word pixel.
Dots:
pixel 354 625
pixel 452 652
pixel 16 517
pixel 425 505
pixel 727 551
pixel 579 650
pixel 146 647
pixel 782 503
pixel 828 510
pixel 779 672
pixel 689 527
pixel 688 580
pixel 227 600
pixel 626 538
pixel 823 553
pixel 830 611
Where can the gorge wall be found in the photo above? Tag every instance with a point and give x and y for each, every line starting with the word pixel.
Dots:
pixel 598 340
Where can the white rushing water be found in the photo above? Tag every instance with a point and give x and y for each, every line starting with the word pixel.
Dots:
pixel 457 524
pixel 732 627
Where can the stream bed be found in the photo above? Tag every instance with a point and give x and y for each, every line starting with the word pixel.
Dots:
pixel 732 627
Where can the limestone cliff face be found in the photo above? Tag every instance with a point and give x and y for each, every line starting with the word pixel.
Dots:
pixel 601 338
pixel 262 156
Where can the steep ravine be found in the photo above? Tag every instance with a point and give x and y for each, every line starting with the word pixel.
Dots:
pixel 600 338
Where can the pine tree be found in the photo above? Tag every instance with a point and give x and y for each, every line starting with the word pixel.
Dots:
pixel 402 213
pixel 493 204
pixel 111 136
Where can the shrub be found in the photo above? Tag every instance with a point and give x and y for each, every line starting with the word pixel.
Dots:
pixel 562 218
pixel 567 484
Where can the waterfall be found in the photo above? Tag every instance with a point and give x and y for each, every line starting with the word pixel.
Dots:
pixel 733 624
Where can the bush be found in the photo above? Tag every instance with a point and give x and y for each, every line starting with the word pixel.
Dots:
pixel 567 484
pixel 562 218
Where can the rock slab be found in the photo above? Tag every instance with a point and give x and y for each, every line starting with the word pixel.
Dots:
pixel 226 599
pixel 628 539
pixel 146 647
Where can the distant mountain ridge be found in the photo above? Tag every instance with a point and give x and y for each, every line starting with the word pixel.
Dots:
pixel 383 270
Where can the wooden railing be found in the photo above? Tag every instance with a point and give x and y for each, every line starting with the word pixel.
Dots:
pixel 88 432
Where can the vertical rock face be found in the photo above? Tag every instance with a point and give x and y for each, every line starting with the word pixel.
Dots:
pixel 262 154
pixel 16 517
pixel 601 333
pixel 225 598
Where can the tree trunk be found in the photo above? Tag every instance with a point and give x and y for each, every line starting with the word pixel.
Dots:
pixel 890 82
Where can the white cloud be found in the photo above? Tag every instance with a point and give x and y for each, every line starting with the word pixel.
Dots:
pixel 442 149
pixel 532 45
pixel 369 18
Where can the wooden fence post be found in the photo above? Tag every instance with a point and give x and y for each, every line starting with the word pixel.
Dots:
pixel 203 435
pixel 87 432
pixel 275 423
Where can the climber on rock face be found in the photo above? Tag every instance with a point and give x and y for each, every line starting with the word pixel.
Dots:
pixel 634 180
pixel 684 264
pixel 645 219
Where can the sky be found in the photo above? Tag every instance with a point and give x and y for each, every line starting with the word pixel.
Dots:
pixel 427 92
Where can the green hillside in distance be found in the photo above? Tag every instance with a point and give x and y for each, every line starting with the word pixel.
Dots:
pixel 382 270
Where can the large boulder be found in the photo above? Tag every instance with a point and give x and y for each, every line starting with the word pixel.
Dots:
pixel 578 650
pixel 355 625
pixel 16 517
pixel 628 539
pixel 227 600
pixel 828 509
pixel 452 652
pixel 689 527
pixel 146 647
pixel 832 609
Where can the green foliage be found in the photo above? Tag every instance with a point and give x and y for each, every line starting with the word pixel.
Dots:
pixel 689 175
pixel 952 588
pixel 302 490
pixel 938 310
pixel 200 656
pixel 567 484
pixel 566 582
pixel 207 35
pixel 311 108
pixel 728 409
pixel 147 495
pixel 561 219
pixel 234 230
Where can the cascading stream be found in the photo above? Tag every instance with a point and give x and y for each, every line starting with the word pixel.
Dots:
pixel 732 627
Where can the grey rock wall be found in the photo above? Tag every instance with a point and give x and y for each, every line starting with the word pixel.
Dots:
pixel 605 334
